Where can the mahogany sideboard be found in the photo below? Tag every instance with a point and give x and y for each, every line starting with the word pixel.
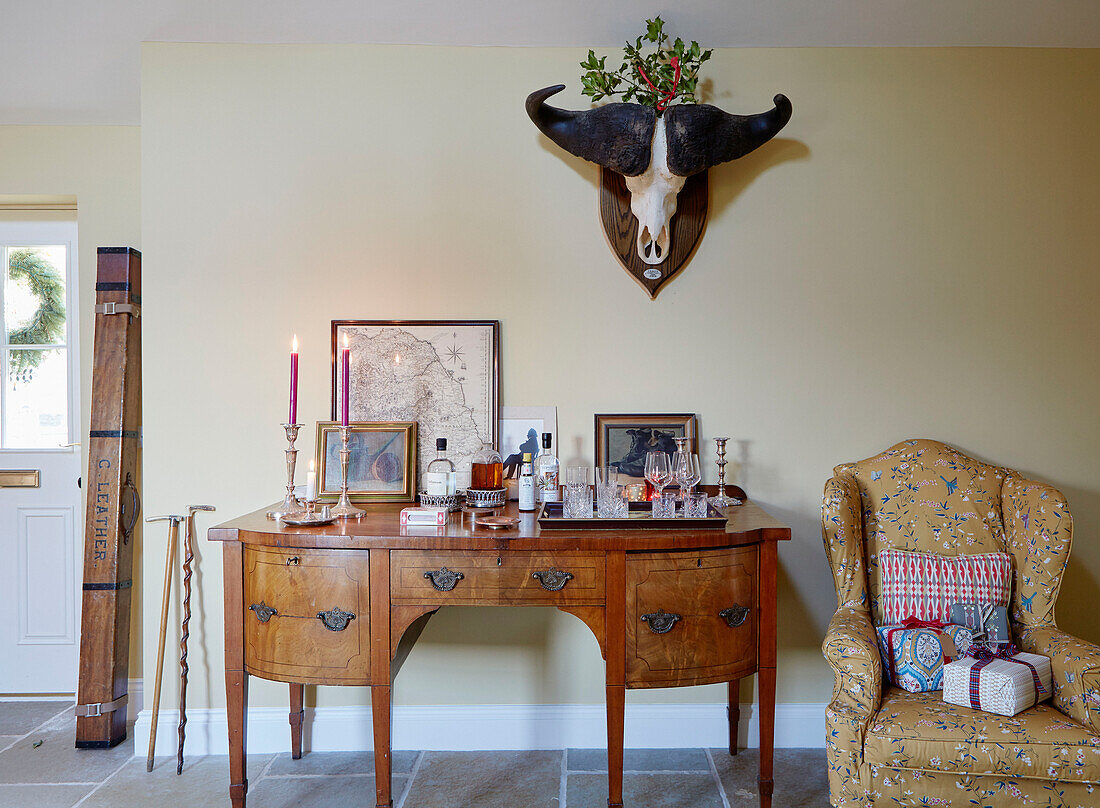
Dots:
pixel 342 604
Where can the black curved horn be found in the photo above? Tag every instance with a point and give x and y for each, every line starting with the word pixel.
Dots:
pixel 615 136
pixel 701 136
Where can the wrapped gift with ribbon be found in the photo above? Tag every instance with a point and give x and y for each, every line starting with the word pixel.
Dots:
pixel 1003 681
pixel 916 651
pixel 987 621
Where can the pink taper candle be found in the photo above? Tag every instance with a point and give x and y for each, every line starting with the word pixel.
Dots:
pixel 345 361
pixel 294 381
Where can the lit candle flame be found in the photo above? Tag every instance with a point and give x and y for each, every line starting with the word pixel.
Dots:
pixel 397 359
pixel 311 464
pixel 346 339
pixel 294 344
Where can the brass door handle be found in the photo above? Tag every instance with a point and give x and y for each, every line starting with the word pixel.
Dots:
pixel 734 615
pixel 444 579
pixel 660 621
pixel 552 580
pixel 335 619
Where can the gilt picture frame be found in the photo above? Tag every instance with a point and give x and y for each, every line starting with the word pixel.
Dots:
pixel 381 465
pixel 622 440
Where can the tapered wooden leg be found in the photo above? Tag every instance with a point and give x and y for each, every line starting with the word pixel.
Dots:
pixel 767 734
pixel 616 706
pixel 236 692
pixel 297 713
pixel 380 673
pixel 615 634
pixel 733 713
pixel 381 707
pixel 766 677
pixel 236 679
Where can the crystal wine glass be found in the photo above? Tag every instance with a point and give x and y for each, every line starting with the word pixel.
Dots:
pixel 686 472
pixel 658 470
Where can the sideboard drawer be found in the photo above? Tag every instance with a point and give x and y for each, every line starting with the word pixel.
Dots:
pixel 307 615
pixel 686 618
pixel 492 579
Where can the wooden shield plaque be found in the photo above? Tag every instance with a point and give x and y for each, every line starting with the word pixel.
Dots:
pixel 621 228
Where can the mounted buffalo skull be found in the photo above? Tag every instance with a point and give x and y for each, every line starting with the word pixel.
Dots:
pixel 655 153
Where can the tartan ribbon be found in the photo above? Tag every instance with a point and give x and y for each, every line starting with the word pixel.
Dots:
pixel 908 624
pixel 984 656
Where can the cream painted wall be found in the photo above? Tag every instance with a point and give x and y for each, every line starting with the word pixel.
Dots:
pixel 100 166
pixel 915 256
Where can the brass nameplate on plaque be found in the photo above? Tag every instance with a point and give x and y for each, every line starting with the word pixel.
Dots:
pixel 19 478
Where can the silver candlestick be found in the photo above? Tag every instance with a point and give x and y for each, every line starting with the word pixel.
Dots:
pixel 344 509
pixel 721 500
pixel 290 506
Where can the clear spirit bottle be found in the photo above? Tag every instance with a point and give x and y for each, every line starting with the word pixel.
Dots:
pixel 547 488
pixel 439 477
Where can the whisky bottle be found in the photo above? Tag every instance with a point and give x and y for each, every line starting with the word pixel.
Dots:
pixel 526 484
pixel 546 473
pixel 439 477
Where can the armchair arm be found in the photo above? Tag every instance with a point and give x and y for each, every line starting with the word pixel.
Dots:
pixel 842 532
pixel 851 649
pixel 1075 667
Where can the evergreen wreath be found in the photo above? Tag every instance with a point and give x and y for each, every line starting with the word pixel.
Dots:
pixel 47 324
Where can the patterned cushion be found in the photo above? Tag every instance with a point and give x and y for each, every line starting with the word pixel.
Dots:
pixel 918 654
pixel 924 585
pixel 919 731
pixel 925 496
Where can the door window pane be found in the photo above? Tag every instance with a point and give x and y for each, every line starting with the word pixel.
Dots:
pixel 34 295
pixel 36 401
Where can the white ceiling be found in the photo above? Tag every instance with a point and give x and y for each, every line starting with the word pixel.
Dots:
pixel 78 62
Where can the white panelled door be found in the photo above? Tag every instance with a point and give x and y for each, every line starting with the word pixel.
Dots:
pixel 40 527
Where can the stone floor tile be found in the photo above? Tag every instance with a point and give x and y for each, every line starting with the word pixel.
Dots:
pixel 487 780
pixel 56 760
pixel 695 789
pixel 339 791
pixel 800 776
pixel 205 781
pixel 338 763
pixel 8 740
pixel 641 760
pixel 42 796
pixel 20 717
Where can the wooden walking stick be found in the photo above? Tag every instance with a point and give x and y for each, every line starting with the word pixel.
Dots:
pixel 188 556
pixel 169 564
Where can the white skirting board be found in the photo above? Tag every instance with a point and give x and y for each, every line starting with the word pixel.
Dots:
pixel 486 727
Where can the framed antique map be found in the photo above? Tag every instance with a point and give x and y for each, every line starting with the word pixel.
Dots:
pixel 443 374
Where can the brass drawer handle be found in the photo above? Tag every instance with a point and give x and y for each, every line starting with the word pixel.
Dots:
pixel 660 621
pixel 552 580
pixel 263 611
pixel 444 579
pixel 295 560
pixel 335 619
pixel 734 615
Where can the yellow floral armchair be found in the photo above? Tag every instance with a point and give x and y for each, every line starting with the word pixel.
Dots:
pixel 890 747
